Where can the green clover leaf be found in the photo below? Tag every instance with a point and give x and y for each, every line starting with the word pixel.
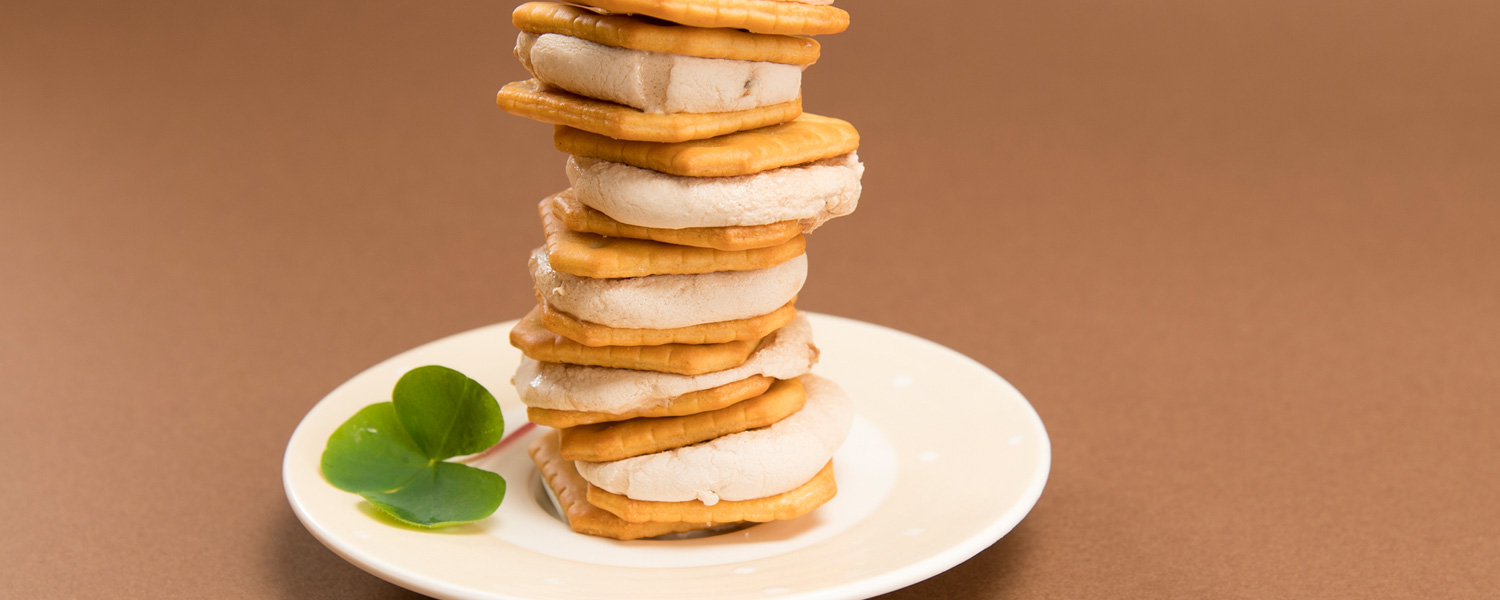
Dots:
pixel 393 453
pixel 446 413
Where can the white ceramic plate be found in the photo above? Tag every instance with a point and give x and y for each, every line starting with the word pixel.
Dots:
pixel 944 458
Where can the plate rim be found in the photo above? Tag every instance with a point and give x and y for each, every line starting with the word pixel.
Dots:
pixel 864 588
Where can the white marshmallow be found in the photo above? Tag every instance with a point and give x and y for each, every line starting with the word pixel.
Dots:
pixel 655 82
pixel 575 387
pixel 668 301
pixel 741 466
pixel 811 193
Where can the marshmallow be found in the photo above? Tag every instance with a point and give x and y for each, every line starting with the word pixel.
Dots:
pixel 811 193
pixel 655 82
pixel 669 301
pixel 741 466
pixel 787 354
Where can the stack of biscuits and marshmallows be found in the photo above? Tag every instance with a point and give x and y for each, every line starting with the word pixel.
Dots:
pixel 666 353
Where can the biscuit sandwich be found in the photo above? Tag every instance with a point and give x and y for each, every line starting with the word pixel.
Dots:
pixel 666 351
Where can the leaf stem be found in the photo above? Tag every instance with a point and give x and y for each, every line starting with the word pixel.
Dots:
pixel 505 441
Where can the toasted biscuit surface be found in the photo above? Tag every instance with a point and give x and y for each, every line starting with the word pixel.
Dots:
pixel 537 342
pixel 759 16
pixel 600 257
pixel 637 33
pixel 804 139
pixel 594 334
pixel 624 439
pixel 686 404
pixel 572 494
pixel 533 100
pixel 579 217
pixel 787 505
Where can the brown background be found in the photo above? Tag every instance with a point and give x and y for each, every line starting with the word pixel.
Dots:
pixel 1242 256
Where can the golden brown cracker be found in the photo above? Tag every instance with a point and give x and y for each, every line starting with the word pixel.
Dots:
pixel 572 491
pixel 687 404
pixel 806 139
pixel 638 33
pixel 537 342
pixel 759 16
pixel 623 439
pixel 790 505
pixel 594 334
pixel 535 100
pixel 600 257
pixel 578 216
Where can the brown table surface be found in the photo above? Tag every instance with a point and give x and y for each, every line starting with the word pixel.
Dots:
pixel 1243 257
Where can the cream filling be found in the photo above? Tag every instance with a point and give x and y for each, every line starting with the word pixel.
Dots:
pixel 575 387
pixel 741 466
pixel 655 82
pixel 811 193
pixel 668 301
